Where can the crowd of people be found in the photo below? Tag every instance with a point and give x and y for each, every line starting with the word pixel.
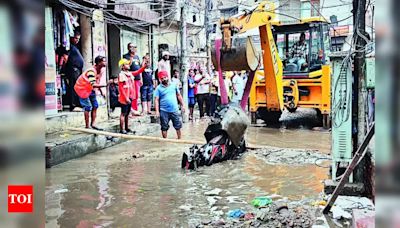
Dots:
pixel 138 84
pixel 204 90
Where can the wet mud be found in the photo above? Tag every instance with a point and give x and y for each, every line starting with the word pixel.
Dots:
pixel 140 183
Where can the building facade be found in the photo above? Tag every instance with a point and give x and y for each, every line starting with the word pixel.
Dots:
pixel 105 29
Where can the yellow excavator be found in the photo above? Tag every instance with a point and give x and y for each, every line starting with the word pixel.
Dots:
pixel 281 81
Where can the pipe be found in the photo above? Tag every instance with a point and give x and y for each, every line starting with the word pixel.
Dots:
pixel 247 89
pixel 224 94
pixel 152 138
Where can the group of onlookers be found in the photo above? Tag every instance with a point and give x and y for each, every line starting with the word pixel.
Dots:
pixel 137 81
pixel 205 90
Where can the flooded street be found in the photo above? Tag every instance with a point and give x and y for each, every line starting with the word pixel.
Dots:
pixel 112 188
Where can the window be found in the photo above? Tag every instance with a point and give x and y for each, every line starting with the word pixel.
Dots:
pixel 316 46
pixel 229 12
pixel 285 43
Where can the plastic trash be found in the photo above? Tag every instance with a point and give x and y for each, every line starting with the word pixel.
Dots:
pixel 61 190
pixel 249 216
pixel 319 203
pixel 338 213
pixel 261 201
pixel 237 213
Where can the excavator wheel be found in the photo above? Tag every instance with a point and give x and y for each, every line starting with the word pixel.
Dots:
pixel 270 118
pixel 320 118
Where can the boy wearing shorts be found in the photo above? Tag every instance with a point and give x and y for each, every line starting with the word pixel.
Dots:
pixel 127 92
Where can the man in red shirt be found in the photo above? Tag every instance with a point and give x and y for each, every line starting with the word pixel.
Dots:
pixel 127 92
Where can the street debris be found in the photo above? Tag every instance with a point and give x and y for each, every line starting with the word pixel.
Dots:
pixel 344 206
pixel 237 213
pixel 186 207
pixel 233 199
pixel 276 214
pixel 249 216
pixel 212 200
pixel 132 157
pixel 61 190
pixel 338 213
pixel 353 202
pixel 214 192
pixel 290 156
pixel 261 201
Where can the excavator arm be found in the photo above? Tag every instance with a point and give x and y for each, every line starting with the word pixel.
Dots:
pixel 240 53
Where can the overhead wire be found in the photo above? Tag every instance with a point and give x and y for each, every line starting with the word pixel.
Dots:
pixel 165 2
pixel 112 19
pixel 341 102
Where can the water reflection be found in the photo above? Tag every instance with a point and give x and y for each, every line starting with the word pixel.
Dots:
pixel 105 190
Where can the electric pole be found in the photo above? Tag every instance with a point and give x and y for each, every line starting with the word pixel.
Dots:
pixel 184 60
pixel 206 26
pixel 360 82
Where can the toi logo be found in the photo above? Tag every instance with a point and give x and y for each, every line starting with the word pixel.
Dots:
pixel 20 198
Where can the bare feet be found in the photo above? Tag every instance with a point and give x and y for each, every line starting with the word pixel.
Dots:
pixel 135 113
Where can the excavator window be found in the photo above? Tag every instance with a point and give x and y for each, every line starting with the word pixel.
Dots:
pixel 316 42
pixel 317 55
pixel 293 52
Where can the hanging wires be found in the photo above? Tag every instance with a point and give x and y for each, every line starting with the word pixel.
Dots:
pixel 110 18
pixel 342 97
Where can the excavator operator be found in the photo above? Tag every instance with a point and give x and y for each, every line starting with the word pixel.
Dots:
pixel 298 53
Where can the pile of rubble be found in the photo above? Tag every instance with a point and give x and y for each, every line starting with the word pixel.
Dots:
pixel 291 156
pixel 303 213
pixel 277 214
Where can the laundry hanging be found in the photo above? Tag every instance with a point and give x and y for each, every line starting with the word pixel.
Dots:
pixel 69 30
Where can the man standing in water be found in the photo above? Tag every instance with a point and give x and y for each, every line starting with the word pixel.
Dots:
pixel 166 104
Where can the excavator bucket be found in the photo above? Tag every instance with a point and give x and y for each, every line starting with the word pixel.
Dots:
pixel 241 56
pixel 233 122
pixel 225 139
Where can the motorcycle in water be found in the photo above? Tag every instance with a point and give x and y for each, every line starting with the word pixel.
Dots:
pixel 225 139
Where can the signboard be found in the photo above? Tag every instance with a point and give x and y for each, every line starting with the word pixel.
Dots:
pixel 135 12
pixel 50 107
pixel 50 104
pixel 99 44
pixel 339 31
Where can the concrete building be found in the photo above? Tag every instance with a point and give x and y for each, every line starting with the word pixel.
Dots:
pixel 287 10
pixel 167 35
pixel 338 11
pixel 136 22
pixel 106 28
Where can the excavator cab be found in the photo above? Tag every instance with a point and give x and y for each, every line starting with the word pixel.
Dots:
pixel 305 85
pixel 315 47
pixel 256 40
pixel 306 80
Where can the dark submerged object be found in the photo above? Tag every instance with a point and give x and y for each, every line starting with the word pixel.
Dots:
pixel 225 139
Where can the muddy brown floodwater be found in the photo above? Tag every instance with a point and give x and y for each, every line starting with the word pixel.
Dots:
pixel 109 188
